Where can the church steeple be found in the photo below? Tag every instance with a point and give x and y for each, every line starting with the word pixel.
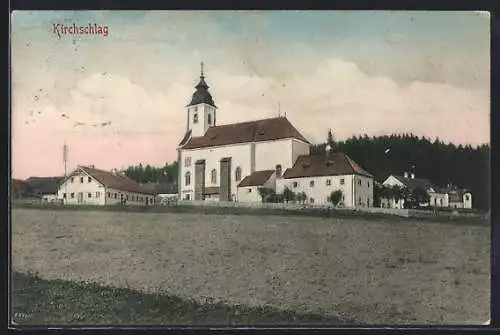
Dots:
pixel 202 95
pixel 201 111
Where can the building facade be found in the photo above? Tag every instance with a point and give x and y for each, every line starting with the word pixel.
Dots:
pixel 90 186
pixel 230 162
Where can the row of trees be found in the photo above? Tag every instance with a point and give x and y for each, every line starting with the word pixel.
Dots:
pixel 269 195
pixel 464 166
pixel 412 198
pixel 144 174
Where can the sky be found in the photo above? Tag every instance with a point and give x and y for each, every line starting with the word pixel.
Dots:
pixel 119 100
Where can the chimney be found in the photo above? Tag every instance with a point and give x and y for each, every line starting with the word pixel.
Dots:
pixel 406 174
pixel 412 176
pixel 328 149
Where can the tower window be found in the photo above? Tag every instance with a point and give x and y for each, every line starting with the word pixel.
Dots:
pixel 209 118
pixel 214 176
pixel 237 174
pixel 195 108
pixel 278 171
pixel 195 118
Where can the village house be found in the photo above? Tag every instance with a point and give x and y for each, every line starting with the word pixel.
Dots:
pixel 438 197
pixel 44 188
pixel 319 175
pixel 87 185
pixel 230 162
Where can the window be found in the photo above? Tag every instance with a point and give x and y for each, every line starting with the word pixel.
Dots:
pixel 89 179
pixel 311 183
pixel 187 161
pixel 72 195
pixel 359 201
pixel 109 194
pixel 213 176
pixel 311 200
pixel 89 195
pixel 64 195
pixel 116 195
pixel 195 118
pixel 359 182
pixel 209 118
pixel 249 190
pixel 237 174
pixel 342 181
pixel 195 108
pixel 187 179
pixel 466 197
pixel 278 171
pixel 81 180
pixel 368 184
pixel 72 179
pixel 328 182
pixel 97 194
pixel 368 202
pixel 295 184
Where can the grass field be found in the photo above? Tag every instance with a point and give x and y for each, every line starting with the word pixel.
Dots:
pixel 344 269
pixel 57 302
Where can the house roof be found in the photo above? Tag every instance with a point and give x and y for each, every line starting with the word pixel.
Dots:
pixel 161 188
pixel 115 180
pixel 257 178
pixel 323 165
pixel 245 132
pixel 44 185
pixel 413 183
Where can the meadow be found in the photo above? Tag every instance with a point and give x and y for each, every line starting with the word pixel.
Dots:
pixel 373 272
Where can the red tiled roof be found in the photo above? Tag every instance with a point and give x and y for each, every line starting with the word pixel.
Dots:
pixel 115 181
pixel 244 132
pixel 257 178
pixel 322 165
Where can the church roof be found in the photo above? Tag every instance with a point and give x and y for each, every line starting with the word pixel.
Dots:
pixel 334 164
pixel 245 132
pixel 257 178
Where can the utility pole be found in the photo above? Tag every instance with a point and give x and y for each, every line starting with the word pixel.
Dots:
pixel 65 160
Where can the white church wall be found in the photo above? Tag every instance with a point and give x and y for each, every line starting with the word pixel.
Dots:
pixel 240 154
pixel 299 148
pixel 271 153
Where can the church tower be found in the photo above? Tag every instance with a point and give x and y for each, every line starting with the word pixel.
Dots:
pixel 201 111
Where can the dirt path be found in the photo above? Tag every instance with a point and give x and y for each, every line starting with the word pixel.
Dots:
pixel 383 272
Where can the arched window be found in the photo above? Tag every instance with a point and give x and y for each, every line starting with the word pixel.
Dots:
pixel 195 118
pixel 237 174
pixel 209 118
pixel 187 178
pixel 278 171
pixel 214 176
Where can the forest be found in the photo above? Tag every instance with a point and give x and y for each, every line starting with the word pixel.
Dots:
pixel 441 163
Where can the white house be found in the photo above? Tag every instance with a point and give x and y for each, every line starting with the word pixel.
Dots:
pixel 248 188
pixel 87 185
pixel 214 159
pixel 438 197
pixel 319 175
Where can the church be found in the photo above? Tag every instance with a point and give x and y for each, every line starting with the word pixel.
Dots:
pixel 230 162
